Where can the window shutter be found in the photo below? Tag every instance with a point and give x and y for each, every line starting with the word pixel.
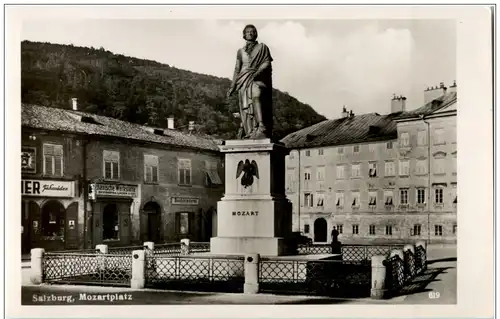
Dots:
pixel 48 149
pixel 107 169
pixel 58 165
pixel 116 173
pixel 188 176
pixel 154 170
pixel 48 165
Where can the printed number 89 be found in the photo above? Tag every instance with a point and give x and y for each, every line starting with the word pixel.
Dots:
pixel 434 295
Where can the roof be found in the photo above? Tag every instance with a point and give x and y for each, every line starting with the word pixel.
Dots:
pixel 439 103
pixel 64 120
pixel 356 129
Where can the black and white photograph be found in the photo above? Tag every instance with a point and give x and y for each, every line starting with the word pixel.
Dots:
pixel 187 158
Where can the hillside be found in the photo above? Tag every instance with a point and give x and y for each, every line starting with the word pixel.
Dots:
pixel 142 91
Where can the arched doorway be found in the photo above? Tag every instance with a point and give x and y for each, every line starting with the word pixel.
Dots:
pixel 110 222
pixel 320 234
pixel 52 228
pixel 152 211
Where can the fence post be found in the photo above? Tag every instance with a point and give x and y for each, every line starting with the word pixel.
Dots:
pixel 423 260
pixel 103 249
pixel 138 280
pixel 251 274
pixel 379 271
pixel 409 250
pixel 149 248
pixel 400 254
pixel 185 246
pixel 36 276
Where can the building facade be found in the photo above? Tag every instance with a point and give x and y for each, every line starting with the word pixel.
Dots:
pixel 118 183
pixel 386 178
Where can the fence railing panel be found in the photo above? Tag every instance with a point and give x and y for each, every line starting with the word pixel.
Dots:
pixel 87 268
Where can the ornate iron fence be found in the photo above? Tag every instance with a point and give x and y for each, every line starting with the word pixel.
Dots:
pixel 224 274
pixel 126 250
pixel 314 249
pixel 410 269
pixel 198 247
pixel 395 275
pixel 101 269
pixel 173 249
pixel 420 259
pixel 322 277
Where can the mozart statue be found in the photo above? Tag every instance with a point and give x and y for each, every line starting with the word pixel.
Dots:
pixel 253 81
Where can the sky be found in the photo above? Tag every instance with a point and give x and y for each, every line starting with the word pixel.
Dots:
pixel 324 63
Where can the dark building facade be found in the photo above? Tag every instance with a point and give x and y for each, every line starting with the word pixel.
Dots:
pixel 119 183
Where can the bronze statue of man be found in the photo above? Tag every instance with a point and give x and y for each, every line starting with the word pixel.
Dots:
pixel 253 81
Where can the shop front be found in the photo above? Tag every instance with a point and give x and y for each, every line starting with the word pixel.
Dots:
pixel 112 212
pixel 49 215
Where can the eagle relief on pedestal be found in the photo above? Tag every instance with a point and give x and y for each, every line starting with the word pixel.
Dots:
pixel 249 170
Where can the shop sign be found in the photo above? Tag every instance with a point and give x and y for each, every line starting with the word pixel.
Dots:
pixel 185 201
pixel 47 188
pixel 28 159
pixel 114 190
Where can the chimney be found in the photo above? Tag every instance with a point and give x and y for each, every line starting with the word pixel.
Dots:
pixel 344 113
pixel 398 104
pixel 453 87
pixel 170 123
pixel 75 104
pixel 191 126
pixel 351 114
pixel 432 93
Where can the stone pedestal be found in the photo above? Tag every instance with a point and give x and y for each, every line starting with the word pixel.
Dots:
pixel 254 216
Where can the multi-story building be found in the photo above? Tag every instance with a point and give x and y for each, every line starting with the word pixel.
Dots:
pixel 89 179
pixel 368 175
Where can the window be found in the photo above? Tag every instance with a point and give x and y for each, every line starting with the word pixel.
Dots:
pixel 388 198
pixel 421 167
pixel 290 180
pixel 184 171
pixel 389 145
pixel 454 194
pixel 438 196
pixel 320 151
pixel 404 139
pixel 111 164
pixel 404 168
pixel 321 200
pixel 308 200
pixel 306 228
pixel 438 230
pixel 355 199
pixel 439 166
pixel 307 178
pixel 150 168
pixel 372 147
pixel 212 174
pixel 417 229
pixel 339 202
pixel 355 229
pixel 110 223
pixel 308 153
pixel 455 229
pixel 340 228
pixel 340 171
pixel 183 223
pixel 403 196
pixel 340 150
pixel 388 230
pixel 439 136
pixel 355 170
pixel 372 170
pixel 320 173
pixel 372 229
pixel 421 196
pixel 421 138
pixel 372 201
pixel 454 164
pixel 389 169
pixel 355 149
pixel 52 159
